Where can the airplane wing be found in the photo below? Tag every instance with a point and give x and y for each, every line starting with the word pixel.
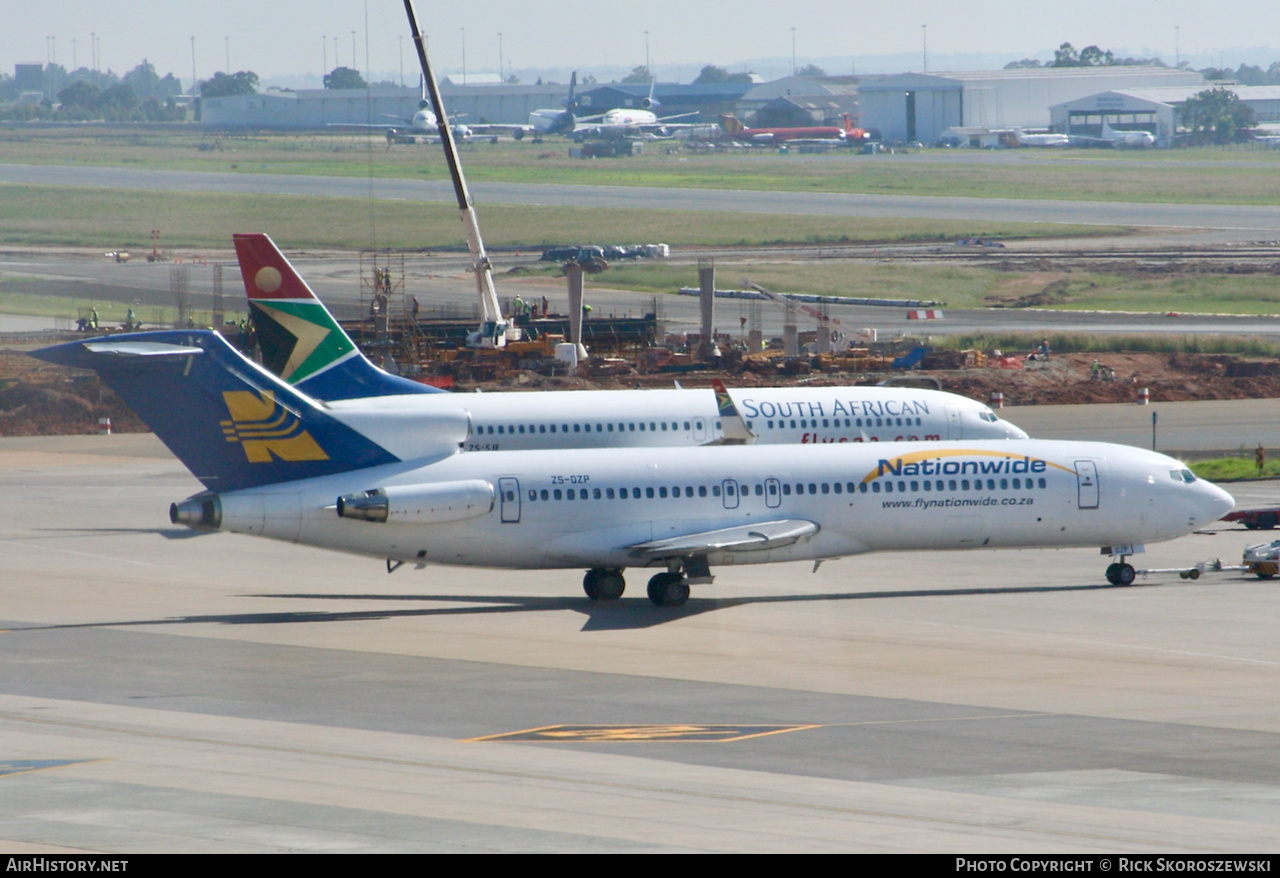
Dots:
pixel 746 538
pixel 511 130
pixel 369 126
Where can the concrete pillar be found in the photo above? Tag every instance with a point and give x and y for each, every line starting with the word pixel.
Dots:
pixel 755 341
pixel 707 301
pixel 824 338
pixel 790 340
pixel 573 272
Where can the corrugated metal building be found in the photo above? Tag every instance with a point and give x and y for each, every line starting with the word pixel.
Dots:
pixel 800 100
pixel 919 106
pixel 1152 109
pixel 318 108
pixel 674 98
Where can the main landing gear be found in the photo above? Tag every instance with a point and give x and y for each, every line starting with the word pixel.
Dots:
pixel 668 589
pixel 665 589
pixel 1121 573
pixel 604 584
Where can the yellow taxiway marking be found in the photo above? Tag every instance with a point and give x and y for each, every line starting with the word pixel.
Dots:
pixel 719 733
pixel 599 734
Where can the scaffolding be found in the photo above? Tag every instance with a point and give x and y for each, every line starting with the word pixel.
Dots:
pixel 390 314
pixel 219 312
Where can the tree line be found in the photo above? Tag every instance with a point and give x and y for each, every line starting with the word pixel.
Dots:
pixel 141 95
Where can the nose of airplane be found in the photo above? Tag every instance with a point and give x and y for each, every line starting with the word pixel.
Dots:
pixel 1219 502
pixel 1013 431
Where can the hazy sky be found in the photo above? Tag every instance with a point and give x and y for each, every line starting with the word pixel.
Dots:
pixel 280 37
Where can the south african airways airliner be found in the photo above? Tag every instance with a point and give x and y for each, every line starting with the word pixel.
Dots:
pixel 303 344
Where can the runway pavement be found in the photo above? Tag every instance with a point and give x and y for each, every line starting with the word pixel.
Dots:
pixel 442 281
pixel 161 691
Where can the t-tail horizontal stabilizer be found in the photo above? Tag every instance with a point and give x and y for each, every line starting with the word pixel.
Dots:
pixel 299 339
pixel 230 422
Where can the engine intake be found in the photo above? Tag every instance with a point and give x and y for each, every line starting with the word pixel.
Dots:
pixel 420 504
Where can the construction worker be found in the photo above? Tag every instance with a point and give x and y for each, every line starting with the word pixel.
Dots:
pixel 1260 458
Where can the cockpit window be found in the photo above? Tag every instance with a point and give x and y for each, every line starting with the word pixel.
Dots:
pixel 988 415
pixel 1182 475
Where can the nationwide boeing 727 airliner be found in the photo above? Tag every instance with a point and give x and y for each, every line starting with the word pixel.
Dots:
pixel 276 463
pixel 302 343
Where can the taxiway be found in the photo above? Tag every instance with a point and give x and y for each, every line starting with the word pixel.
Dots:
pixel 165 691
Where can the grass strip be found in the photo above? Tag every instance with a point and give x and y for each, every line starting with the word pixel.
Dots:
pixel 112 218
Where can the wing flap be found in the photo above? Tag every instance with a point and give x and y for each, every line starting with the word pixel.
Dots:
pixel 745 538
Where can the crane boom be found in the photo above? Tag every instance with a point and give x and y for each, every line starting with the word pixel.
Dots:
pixel 825 321
pixel 493 329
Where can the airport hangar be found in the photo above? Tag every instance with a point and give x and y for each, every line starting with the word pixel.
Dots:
pixel 1153 109
pixel 792 100
pixel 920 106
pixel 380 105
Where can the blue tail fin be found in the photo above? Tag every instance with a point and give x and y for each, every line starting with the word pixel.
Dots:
pixel 300 340
pixel 232 423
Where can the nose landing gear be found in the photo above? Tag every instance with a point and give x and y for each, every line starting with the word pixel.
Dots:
pixel 1121 573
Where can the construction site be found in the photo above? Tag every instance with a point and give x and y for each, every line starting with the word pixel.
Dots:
pixel 437 344
pixel 543 347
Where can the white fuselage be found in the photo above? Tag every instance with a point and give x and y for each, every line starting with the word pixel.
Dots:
pixel 591 508
pixel 628 418
pixel 1044 140
pixel 543 120
pixel 622 118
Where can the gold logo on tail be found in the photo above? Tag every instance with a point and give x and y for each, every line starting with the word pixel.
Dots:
pixel 266 429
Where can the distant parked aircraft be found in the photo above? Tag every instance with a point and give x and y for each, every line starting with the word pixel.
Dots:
pixel 736 130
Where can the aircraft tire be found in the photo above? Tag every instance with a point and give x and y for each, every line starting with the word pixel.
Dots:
pixel 677 593
pixel 1125 574
pixel 668 590
pixel 591 583
pixel 610 585
pixel 1112 573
